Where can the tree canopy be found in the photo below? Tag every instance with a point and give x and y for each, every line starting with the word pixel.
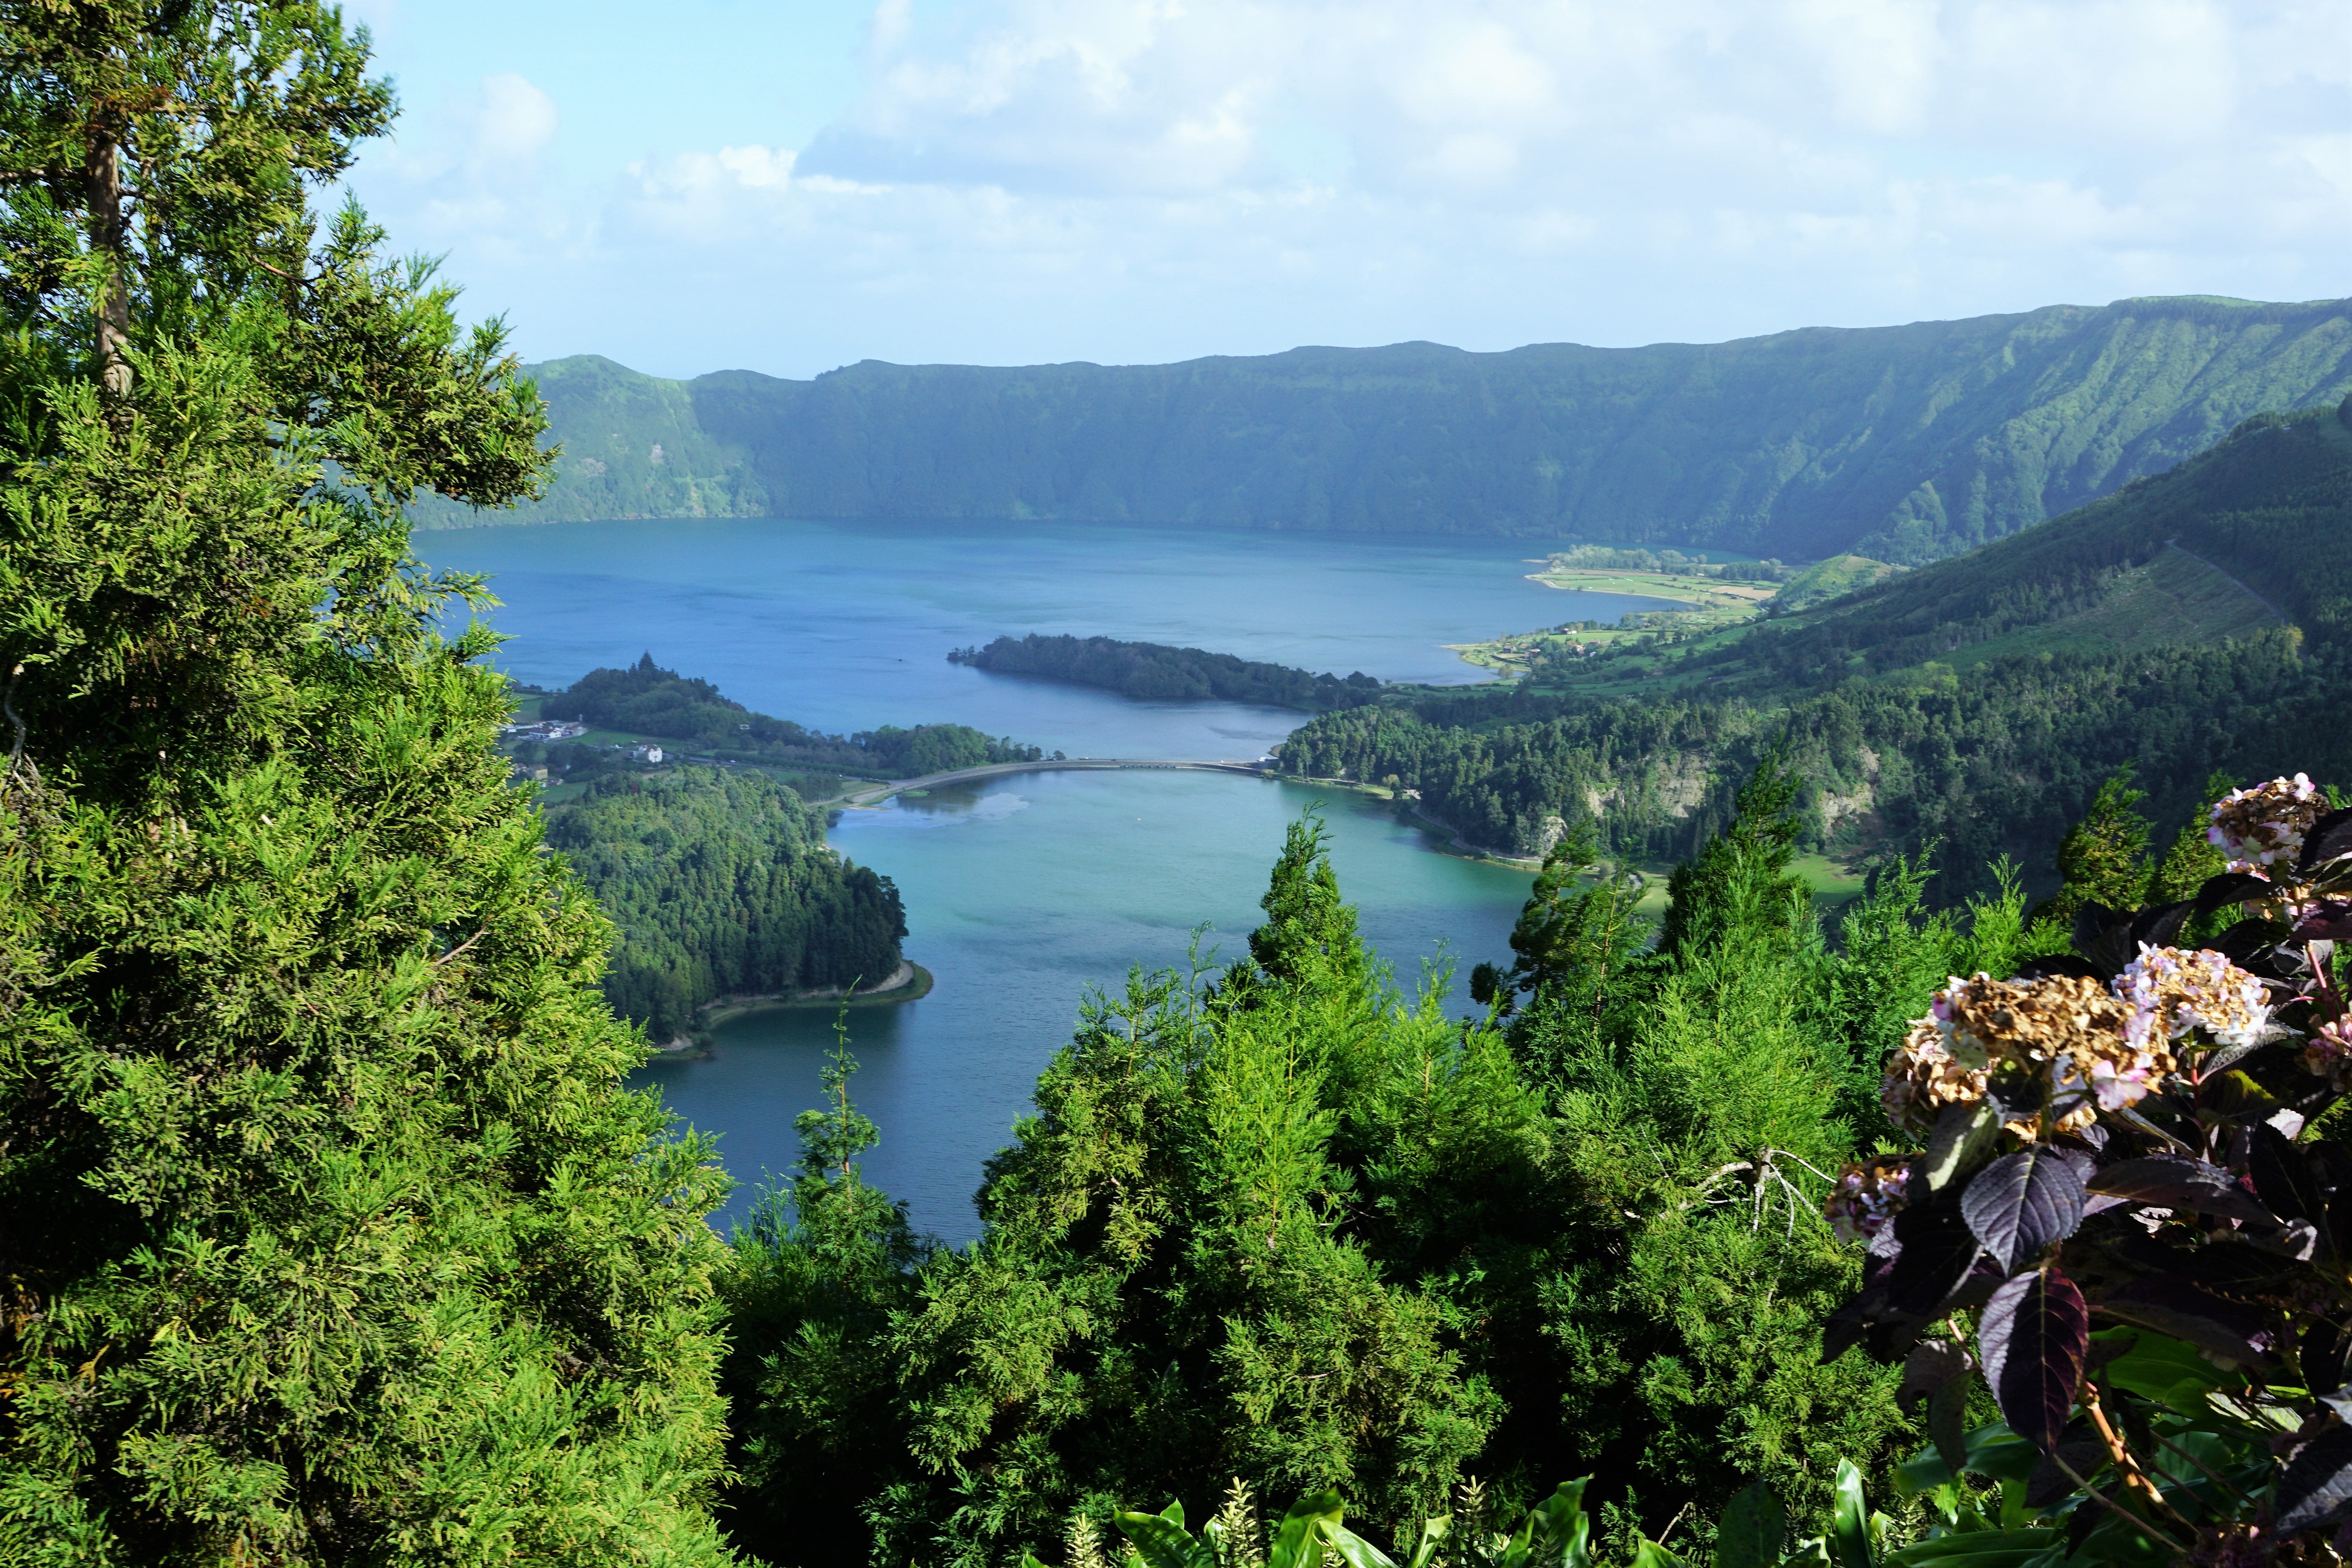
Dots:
pixel 333 1235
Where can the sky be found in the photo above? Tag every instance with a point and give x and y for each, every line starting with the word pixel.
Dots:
pixel 799 185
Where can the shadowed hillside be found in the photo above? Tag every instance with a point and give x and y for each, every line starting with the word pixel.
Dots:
pixel 1904 444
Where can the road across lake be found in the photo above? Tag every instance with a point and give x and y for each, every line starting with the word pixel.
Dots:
pixel 875 795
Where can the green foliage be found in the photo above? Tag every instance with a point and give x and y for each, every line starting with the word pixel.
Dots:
pixel 2103 859
pixel 647 700
pixel 1740 878
pixel 1294 1227
pixel 1899 748
pixel 719 883
pixel 2192 859
pixel 821 1270
pixel 1569 943
pixel 333 1235
pixel 1155 672
pixel 1904 443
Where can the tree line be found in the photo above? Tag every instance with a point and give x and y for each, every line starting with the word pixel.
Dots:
pixel 647 700
pixel 1156 672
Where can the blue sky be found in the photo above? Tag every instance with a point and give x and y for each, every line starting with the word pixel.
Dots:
pixel 707 184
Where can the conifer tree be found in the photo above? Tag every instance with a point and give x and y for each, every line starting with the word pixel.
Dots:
pixel 1740 877
pixel 821 1268
pixel 2103 859
pixel 2192 859
pixel 331 1233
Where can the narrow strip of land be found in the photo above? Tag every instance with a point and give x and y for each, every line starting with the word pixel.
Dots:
pixel 875 795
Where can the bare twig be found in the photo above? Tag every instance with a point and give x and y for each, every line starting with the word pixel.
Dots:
pixel 2125 1466
pixel 8 704
pixel 480 933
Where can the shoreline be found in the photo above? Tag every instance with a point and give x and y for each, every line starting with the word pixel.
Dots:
pixel 1454 842
pixel 909 983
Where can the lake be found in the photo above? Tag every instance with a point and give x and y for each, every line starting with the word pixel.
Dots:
pixel 1021 892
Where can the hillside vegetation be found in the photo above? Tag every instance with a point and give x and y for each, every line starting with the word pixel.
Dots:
pixel 647 700
pixel 1903 443
pixel 719 883
pixel 1972 707
pixel 1157 672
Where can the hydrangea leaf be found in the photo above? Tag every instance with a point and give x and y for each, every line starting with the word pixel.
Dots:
pixel 2022 1202
pixel 2033 1337
pixel 2316 1489
pixel 2173 1181
pixel 1963 1135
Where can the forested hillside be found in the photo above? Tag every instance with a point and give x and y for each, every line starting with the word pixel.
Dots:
pixel 647 700
pixel 719 883
pixel 1903 443
pixel 2186 625
pixel 1156 672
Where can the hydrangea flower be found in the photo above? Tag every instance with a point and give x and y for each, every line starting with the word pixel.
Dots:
pixel 2173 994
pixel 2264 826
pixel 1924 1078
pixel 2063 1029
pixel 1866 1196
pixel 2328 1053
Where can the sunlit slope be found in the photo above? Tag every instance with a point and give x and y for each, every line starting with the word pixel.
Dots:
pixel 1903 443
pixel 2255 533
pixel 2200 621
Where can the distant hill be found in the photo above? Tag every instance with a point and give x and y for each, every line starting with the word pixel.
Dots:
pixel 1900 444
pixel 2195 622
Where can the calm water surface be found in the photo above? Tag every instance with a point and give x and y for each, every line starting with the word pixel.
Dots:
pixel 845 626
pixel 1021 892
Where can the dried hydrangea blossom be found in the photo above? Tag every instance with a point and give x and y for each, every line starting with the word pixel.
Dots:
pixel 1924 1078
pixel 2174 992
pixel 1866 1196
pixel 2328 1053
pixel 2064 1029
pixel 2264 827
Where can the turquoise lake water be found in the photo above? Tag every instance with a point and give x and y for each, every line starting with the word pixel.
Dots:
pixel 1021 892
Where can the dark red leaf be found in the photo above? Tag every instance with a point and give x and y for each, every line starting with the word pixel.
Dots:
pixel 2180 1310
pixel 2173 1181
pixel 2021 1202
pixel 2282 1175
pixel 2232 887
pixel 2330 920
pixel 1937 1248
pixel 1947 1423
pixel 2158 923
pixel 1931 1365
pixel 2330 838
pixel 2316 1490
pixel 2032 1336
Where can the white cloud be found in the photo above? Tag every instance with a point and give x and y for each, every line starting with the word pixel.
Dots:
pixel 1137 179
pixel 512 122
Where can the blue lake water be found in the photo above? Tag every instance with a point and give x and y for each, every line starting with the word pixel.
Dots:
pixel 1021 892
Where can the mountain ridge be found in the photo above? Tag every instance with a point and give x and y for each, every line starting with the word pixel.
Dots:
pixel 1904 442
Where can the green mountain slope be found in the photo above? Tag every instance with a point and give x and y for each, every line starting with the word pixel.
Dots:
pixel 2198 621
pixel 1904 444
